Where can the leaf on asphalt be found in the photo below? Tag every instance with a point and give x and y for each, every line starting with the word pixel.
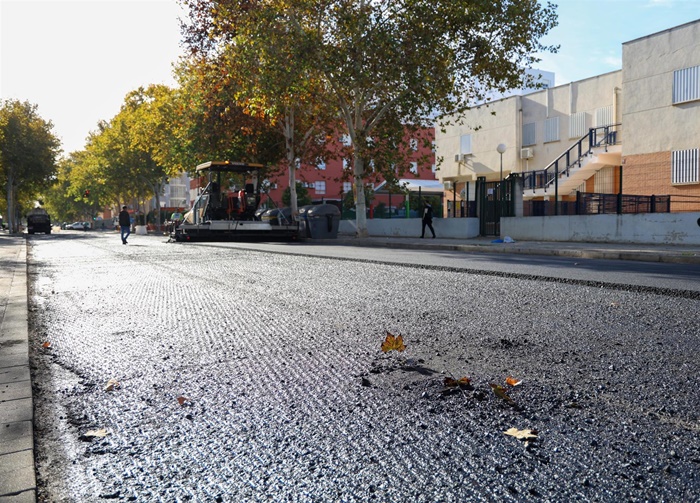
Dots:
pixel 112 384
pixel 512 381
pixel 614 304
pixel 183 400
pixel 462 382
pixel 46 345
pixel 500 392
pixel 96 433
pixel 391 343
pixel 522 434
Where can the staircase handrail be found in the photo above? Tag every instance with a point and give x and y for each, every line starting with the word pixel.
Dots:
pixel 546 176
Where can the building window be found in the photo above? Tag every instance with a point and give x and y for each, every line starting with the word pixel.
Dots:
pixel 347 187
pixel 345 140
pixel 685 166
pixel 529 134
pixel 686 84
pixel 465 144
pixel 604 116
pixel 433 168
pixel 551 129
pixel 320 164
pixel 320 187
pixel 178 191
pixel 414 168
pixel 413 144
pixel 577 125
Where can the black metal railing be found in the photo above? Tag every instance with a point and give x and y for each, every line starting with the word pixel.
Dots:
pixel 597 137
pixel 591 203
pixel 684 203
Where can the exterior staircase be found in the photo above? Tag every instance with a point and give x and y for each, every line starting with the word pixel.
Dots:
pixel 599 148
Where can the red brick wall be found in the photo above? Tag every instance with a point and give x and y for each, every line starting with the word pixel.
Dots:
pixel 650 174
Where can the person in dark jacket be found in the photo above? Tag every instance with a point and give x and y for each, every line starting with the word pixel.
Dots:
pixel 124 224
pixel 427 218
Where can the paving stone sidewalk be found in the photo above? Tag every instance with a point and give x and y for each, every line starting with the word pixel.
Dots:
pixel 17 474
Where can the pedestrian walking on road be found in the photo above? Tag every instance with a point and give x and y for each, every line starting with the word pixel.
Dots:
pixel 427 218
pixel 124 224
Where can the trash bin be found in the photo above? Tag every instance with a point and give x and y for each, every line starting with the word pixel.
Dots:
pixel 303 217
pixel 323 221
pixel 278 216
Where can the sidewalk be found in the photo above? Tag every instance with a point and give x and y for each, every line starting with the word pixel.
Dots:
pixel 679 254
pixel 17 476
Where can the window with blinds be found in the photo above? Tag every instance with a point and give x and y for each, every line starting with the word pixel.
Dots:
pixel 577 125
pixel 604 116
pixel 465 144
pixel 529 134
pixel 551 129
pixel 685 165
pixel 686 84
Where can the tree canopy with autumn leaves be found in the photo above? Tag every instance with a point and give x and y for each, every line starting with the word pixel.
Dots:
pixel 370 67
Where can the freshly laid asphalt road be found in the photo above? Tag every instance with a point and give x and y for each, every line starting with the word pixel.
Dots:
pixel 17 475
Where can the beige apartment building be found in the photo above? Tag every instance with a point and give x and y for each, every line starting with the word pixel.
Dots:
pixel 634 131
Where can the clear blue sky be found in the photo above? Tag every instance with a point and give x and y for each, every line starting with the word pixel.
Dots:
pixel 78 59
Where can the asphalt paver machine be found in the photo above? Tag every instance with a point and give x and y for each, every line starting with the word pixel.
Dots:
pixel 226 210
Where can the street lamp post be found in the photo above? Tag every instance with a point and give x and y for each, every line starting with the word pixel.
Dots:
pixel 501 149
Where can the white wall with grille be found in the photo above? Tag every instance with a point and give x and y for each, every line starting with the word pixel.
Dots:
pixel 551 129
pixel 529 134
pixel 686 84
pixel 604 116
pixel 577 125
pixel 685 166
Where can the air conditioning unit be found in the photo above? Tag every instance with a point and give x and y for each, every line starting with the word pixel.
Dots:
pixel 448 185
pixel 526 153
pixel 465 157
pixel 457 156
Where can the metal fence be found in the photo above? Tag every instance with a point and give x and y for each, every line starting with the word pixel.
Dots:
pixel 590 203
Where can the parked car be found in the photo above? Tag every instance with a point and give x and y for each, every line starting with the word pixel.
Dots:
pixel 78 226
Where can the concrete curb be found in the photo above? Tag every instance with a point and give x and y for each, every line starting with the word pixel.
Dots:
pixel 554 249
pixel 17 471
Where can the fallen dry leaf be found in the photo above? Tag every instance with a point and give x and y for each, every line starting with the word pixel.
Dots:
pixel 96 433
pixel 454 383
pixel 512 381
pixel 500 392
pixel 183 400
pixel 521 434
pixel 391 343
pixel 46 345
pixel 112 384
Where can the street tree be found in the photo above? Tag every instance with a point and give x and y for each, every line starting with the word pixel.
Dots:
pixel 212 125
pixel 404 61
pixel 257 45
pixel 391 61
pixel 28 152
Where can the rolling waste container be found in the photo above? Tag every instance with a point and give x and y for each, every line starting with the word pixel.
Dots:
pixel 278 216
pixel 323 221
pixel 303 216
